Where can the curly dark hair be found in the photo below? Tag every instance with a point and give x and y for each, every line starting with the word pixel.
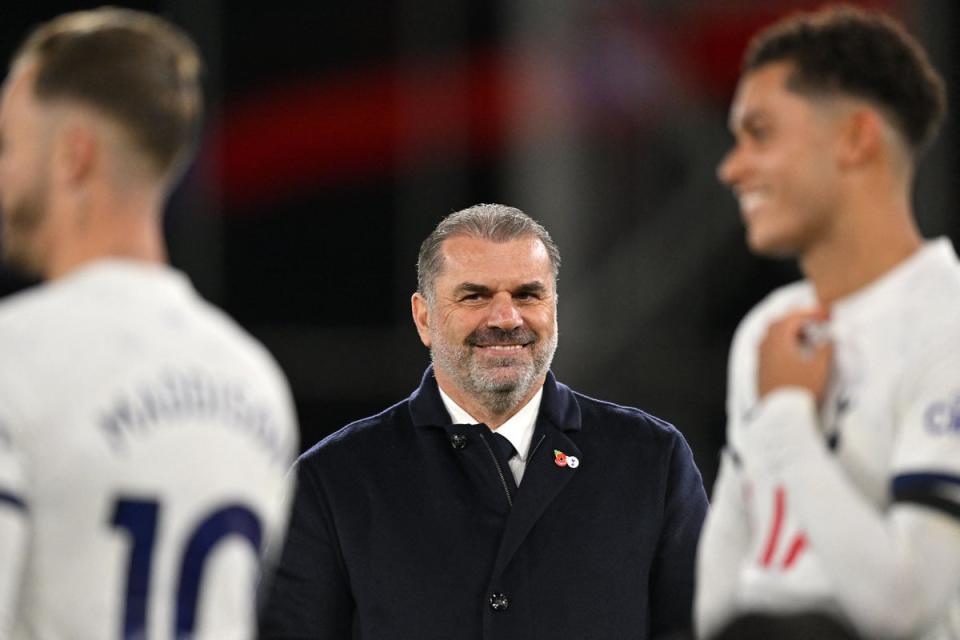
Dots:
pixel 863 53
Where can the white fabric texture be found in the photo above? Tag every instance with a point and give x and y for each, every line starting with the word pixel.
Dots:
pixel 796 525
pixel 139 427
pixel 518 429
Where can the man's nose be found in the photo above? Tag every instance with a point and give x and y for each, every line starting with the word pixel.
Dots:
pixel 730 168
pixel 504 313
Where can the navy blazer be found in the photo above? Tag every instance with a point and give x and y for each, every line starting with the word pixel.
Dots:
pixel 402 529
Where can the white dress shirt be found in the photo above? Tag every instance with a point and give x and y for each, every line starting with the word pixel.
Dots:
pixel 518 429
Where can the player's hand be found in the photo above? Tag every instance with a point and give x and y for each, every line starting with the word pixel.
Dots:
pixel 792 355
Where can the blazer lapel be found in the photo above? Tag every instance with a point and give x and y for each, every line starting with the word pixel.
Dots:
pixel 543 478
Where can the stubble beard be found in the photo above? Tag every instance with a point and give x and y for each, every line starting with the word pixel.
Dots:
pixel 498 394
pixel 21 224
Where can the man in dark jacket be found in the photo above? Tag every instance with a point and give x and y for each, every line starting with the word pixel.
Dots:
pixel 494 502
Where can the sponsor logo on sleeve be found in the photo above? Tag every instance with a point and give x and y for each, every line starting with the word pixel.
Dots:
pixel 943 417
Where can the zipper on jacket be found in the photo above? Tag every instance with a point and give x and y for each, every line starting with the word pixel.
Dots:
pixel 496 464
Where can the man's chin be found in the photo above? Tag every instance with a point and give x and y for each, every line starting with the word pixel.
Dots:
pixel 771 247
pixel 503 378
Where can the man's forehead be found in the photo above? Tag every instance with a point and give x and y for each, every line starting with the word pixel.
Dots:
pixel 763 91
pixel 469 258
pixel 467 247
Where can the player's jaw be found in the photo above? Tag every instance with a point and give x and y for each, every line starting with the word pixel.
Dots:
pixel 23 223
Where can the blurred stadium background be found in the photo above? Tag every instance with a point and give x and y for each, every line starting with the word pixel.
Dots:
pixel 339 133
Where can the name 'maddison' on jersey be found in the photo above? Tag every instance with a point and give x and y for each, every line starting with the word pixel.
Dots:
pixel 144 446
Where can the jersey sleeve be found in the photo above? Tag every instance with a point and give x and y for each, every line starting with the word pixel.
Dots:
pixel 873 556
pixel 925 469
pixel 723 544
pixel 725 538
pixel 13 520
pixel 908 553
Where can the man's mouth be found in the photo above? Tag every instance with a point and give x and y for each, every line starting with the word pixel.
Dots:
pixel 502 348
pixel 499 341
pixel 750 200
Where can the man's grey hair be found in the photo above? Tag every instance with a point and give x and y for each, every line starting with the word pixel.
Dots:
pixel 494 222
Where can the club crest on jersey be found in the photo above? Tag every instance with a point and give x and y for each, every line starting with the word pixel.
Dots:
pixel 943 417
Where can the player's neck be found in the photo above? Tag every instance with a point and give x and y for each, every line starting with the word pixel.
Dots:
pixel 860 249
pixel 127 228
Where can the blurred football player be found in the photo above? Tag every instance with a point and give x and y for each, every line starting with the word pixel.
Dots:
pixel 144 437
pixel 838 497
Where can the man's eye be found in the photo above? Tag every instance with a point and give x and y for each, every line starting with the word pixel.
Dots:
pixel 759 133
pixel 470 297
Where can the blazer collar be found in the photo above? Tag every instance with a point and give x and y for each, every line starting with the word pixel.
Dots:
pixel 558 406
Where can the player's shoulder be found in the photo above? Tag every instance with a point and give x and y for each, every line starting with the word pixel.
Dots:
pixel 223 327
pixel 90 294
pixel 933 284
pixel 32 323
pixel 22 310
pixel 925 306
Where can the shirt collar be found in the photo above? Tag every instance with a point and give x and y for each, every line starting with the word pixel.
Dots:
pixel 558 407
pixel 518 429
pixel 887 289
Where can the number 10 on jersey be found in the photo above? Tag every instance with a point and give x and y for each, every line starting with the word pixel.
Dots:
pixel 139 518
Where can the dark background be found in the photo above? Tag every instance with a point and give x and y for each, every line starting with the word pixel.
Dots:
pixel 338 134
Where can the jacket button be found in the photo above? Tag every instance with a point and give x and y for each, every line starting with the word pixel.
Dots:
pixel 458 441
pixel 499 602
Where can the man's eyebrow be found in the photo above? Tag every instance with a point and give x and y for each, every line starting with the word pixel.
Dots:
pixel 471 287
pixel 749 119
pixel 532 287
pixel 535 287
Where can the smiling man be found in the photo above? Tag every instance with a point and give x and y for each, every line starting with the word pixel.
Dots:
pixel 836 512
pixel 494 502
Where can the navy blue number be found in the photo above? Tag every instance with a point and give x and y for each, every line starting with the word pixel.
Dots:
pixel 139 517
pixel 232 520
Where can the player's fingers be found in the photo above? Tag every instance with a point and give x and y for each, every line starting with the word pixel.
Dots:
pixel 822 350
pixel 799 325
pixel 800 317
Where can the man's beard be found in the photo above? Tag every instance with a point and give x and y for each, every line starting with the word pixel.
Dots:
pixel 21 225
pixel 499 394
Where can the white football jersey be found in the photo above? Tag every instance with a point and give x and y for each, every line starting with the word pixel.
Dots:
pixel 891 424
pixel 144 446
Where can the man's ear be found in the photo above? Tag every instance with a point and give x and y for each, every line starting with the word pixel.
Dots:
pixel 77 152
pixel 861 138
pixel 421 317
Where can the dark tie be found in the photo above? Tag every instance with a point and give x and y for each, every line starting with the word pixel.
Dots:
pixel 503 449
pixel 503 443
